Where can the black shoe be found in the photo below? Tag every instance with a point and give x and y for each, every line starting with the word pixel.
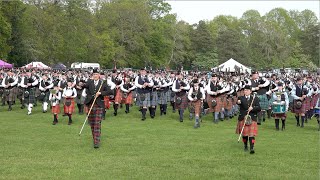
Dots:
pixel 70 122
pixel 164 112
pixel 251 151
pixel 298 124
pixel 143 118
pixel 126 112
pixel 263 120
pixel 115 113
pixel 181 120
pixel 10 109
pixel 259 123
pixel 22 107
pixel 44 111
pixel 96 146
pixel 54 122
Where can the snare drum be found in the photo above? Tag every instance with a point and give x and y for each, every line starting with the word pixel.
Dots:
pixel 279 108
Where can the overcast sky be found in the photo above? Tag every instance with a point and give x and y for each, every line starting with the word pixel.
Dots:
pixel 194 11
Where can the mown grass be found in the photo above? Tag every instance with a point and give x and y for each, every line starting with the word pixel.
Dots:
pixel 160 148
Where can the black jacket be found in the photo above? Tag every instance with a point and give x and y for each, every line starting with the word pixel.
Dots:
pixel 91 90
pixel 244 106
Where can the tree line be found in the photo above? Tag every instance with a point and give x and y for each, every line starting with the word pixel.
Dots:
pixel 144 33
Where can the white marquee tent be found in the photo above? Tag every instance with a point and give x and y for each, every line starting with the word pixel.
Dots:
pixel 232 66
pixel 38 65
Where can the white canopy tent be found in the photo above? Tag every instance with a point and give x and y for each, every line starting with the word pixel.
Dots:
pixel 233 66
pixel 38 65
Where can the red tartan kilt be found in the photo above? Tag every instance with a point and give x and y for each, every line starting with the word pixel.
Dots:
pixel 106 102
pixel 307 103
pixel 69 109
pixel 55 109
pixel 302 110
pixel 128 100
pixel 219 105
pixel 227 105
pixel 279 116
pixel 118 97
pixel 314 100
pixel 248 130
pixel 197 106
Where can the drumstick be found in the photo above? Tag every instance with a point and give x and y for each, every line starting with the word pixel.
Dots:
pixel 94 100
pixel 246 117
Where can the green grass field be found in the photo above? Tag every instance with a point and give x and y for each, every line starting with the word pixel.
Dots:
pixel 160 148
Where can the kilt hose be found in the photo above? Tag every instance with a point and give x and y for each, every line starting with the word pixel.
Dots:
pixel 219 105
pixel 264 102
pixel 69 109
pixel 128 99
pixel 94 120
pixel 248 130
pixel 302 110
pixel 184 102
pixel 31 97
pixel 118 96
pixel 143 102
pixel 20 92
pixel 55 109
pixel 195 107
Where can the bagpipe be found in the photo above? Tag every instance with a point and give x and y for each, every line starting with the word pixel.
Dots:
pixel 54 99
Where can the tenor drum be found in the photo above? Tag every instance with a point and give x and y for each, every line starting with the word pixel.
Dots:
pixel 279 108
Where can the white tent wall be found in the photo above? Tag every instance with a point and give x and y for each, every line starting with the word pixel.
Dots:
pixel 231 66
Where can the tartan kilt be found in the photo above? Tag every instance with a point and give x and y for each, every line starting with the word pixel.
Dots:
pixel 154 98
pixel 227 103
pixel 31 98
pixel 314 100
pixel 171 95
pixel 146 101
pixel 55 109
pixel 11 96
pixel 302 110
pixel 118 97
pixel 128 99
pixel 307 102
pixel 264 102
pixel 96 113
pixel 248 130
pixel 219 105
pixel 69 109
pixel 46 96
pixel 37 92
pixel 196 106
pixel 184 102
pixel 163 97
pixel 106 102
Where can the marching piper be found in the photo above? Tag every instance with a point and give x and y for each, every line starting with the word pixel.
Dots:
pixel 29 82
pixel 45 85
pixel 127 89
pixel 180 87
pixel 299 94
pixel 9 83
pixel 247 120
pixel 54 98
pixel 142 82
pixel 196 96
pixel 69 93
